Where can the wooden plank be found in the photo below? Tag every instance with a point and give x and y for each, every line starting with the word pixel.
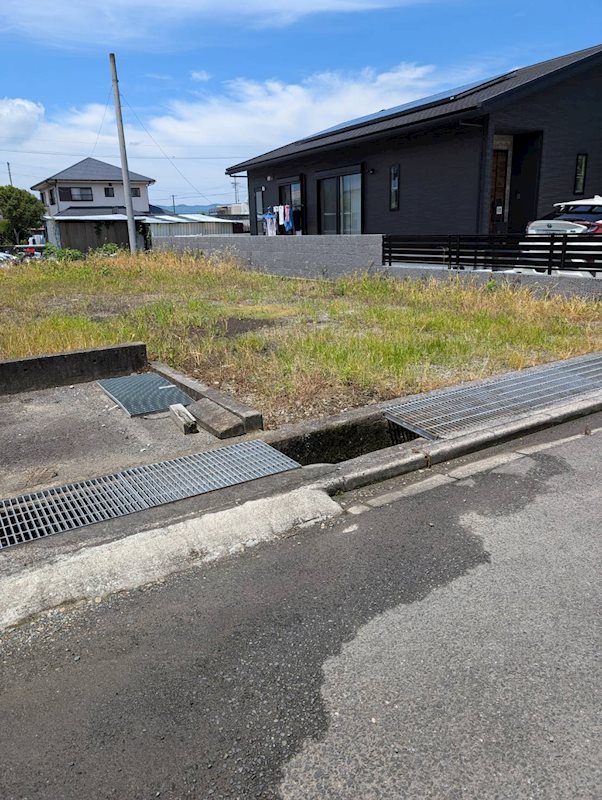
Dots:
pixel 183 419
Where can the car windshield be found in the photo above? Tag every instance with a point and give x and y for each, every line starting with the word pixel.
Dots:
pixel 576 213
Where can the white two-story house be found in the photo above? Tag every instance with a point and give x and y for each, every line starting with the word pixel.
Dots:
pixel 86 204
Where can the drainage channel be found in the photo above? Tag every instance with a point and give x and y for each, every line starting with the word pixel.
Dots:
pixel 452 412
pixel 76 505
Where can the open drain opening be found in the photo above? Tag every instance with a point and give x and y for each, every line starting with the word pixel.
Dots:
pixel 400 434
pixel 339 438
pixel 444 413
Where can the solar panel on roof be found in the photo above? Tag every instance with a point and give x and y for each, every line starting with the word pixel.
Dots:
pixel 450 94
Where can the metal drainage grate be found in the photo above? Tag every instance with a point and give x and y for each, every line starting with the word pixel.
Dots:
pixel 143 394
pixel 452 412
pixel 64 508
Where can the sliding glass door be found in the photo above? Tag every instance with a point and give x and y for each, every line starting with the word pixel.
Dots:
pixel 351 204
pixel 289 194
pixel 329 189
pixel 341 204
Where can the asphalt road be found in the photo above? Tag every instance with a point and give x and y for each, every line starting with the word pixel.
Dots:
pixel 442 645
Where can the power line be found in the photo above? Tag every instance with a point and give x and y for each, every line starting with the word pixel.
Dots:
pixel 102 122
pixel 180 173
pixel 87 141
pixel 146 158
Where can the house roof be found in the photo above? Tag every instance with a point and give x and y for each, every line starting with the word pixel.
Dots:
pixel 429 110
pixel 155 214
pixel 91 169
pixel 90 211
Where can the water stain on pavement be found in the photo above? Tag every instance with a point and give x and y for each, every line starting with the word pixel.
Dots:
pixel 207 685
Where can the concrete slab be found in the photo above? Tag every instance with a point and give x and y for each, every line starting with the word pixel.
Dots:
pixel 216 419
pixel 54 436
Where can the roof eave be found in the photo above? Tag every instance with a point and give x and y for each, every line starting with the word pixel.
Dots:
pixel 321 144
pixel 54 181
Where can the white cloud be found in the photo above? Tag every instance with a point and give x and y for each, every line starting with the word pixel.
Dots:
pixel 200 75
pixel 146 21
pixel 19 118
pixel 244 119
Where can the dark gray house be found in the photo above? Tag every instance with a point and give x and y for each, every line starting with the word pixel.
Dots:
pixel 485 158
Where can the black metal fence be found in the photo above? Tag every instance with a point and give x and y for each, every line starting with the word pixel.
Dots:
pixel 545 254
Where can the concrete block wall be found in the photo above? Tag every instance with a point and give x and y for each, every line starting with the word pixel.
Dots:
pixel 295 256
pixel 333 256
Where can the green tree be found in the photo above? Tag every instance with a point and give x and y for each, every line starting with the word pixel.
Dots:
pixel 21 210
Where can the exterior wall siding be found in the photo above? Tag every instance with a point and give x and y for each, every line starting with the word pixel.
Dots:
pixel 98 196
pixel 439 182
pixel 570 116
pixel 89 235
pixel 171 229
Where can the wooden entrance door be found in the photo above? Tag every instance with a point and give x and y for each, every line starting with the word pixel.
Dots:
pixel 498 192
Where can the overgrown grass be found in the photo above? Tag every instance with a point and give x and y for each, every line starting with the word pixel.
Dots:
pixel 325 345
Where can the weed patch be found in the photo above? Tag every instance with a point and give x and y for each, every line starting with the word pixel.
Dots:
pixel 293 348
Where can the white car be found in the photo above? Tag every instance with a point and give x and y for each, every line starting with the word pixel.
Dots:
pixel 574 216
pixel 580 217
pixel 7 257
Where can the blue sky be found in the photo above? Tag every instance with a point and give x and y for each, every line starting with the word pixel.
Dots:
pixel 214 83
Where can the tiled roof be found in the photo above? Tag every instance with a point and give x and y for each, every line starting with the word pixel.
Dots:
pixel 91 169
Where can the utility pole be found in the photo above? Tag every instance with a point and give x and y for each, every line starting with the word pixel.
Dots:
pixel 235 184
pixel 173 203
pixel 129 206
pixel 10 177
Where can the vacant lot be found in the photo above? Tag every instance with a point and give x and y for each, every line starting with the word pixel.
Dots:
pixel 293 348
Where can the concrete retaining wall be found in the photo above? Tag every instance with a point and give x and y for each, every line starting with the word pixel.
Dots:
pixel 298 256
pixel 75 366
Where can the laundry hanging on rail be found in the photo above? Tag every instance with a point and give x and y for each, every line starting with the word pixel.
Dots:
pixel 281 220
pixel 289 225
pixel 269 222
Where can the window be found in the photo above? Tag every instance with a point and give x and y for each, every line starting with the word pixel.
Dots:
pixel 259 209
pixel 51 198
pixel 109 191
pixel 341 204
pixel 75 193
pixel 135 191
pixel 329 206
pixel 259 202
pixel 580 170
pixel 394 188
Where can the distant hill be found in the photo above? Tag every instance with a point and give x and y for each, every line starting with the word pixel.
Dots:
pixel 184 209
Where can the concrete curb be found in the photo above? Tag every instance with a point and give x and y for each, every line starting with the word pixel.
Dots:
pixel 421 453
pixel 73 366
pixel 150 555
pixel 251 419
